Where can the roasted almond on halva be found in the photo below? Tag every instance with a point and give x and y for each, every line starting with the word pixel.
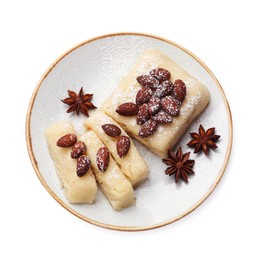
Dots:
pixel 123 146
pixel 143 114
pixel 160 74
pixel 102 159
pixel 111 130
pixel 83 165
pixel 143 96
pixel 179 90
pixel 148 128
pixel 147 81
pixel 127 109
pixel 78 149
pixel 171 105
pixel 67 140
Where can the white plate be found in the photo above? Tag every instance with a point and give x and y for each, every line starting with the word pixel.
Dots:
pixel 98 65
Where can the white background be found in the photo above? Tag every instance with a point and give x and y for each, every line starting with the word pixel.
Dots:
pixel 223 34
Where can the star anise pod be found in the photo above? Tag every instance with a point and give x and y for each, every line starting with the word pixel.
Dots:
pixel 204 140
pixel 79 102
pixel 179 164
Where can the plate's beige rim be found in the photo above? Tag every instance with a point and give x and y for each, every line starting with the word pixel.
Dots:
pixel 108 226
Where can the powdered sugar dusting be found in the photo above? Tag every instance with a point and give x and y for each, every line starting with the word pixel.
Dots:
pixel 129 95
pixel 154 105
pixel 147 64
pixel 164 89
pixel 191 102
pixel 162 118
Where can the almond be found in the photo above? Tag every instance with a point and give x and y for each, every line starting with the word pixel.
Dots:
pixel 143 96
pixel 154 105
pixel 67 140
pixel 160 74
pixel 127 109
pixel 123 146
pixel 111 130
pixel 148 81
pixel 142 115
pixel 78 149
pixel 164 89
pixel 83 165
pixel 179 90
pixel 102 159
pixel 148 128
pixel 171 105
pixel 162 118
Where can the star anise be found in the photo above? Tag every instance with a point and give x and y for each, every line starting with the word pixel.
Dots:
pixel 79 102
pixel 204 140
pixel 179 164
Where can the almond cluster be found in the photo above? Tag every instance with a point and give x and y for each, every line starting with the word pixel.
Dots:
pixel 78 151
pixel 157 102
pixel 123 142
